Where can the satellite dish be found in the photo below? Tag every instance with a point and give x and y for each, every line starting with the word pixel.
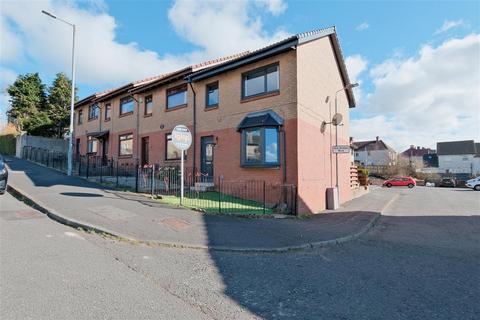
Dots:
pixel 337 119
pixel 323 126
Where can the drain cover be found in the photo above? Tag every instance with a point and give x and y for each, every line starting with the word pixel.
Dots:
pixel 175 223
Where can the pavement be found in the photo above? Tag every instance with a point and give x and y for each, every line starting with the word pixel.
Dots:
pixel 50 271
pixel 80 203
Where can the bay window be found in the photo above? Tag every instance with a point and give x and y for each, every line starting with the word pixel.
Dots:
pixel 260 147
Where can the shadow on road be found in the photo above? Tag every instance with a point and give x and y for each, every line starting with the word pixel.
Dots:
pixel 405 268
pixel 81 194
pixel 413 267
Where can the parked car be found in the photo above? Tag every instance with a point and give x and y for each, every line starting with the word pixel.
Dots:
pixel 3 176
pixel 400 182
pixel 447 182
pixel 473 183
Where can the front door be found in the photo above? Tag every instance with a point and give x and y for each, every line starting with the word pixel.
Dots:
pixel 144 150
pixel 77 147
pixel 207 158
pixel 104 151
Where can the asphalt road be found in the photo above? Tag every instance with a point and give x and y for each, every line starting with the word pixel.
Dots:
pixel 414 265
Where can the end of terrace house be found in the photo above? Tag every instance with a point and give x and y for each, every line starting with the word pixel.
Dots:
pixel 254 116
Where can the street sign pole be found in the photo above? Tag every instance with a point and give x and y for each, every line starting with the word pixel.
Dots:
pixel 182 139
pixel 181 183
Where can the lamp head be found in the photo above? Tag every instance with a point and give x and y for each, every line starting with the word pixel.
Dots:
pixel 49 14
pixel 352 85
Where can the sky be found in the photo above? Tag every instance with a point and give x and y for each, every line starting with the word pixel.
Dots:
pixel 417 62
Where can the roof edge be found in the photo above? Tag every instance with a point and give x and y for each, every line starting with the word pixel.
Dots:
pixel 277 48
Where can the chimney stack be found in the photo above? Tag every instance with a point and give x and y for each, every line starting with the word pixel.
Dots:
pixel 412 146
pixel 377 138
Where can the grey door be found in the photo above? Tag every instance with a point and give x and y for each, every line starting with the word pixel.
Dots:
pixel 145 145
pixel 206 158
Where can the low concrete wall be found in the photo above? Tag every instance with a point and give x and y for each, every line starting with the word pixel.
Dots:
pixel 52 144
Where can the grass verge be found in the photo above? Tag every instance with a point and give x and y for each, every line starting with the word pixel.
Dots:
pixel 214 202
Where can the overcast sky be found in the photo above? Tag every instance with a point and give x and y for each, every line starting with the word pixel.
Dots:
pixel 418 63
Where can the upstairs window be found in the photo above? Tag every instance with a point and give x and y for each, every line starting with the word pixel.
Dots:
pixel 212 95
pixel 93 112
pixel 126 106
pixel 80 117
pixel 177 97
pixel 108 111
pixel 261 81
pixel 148 106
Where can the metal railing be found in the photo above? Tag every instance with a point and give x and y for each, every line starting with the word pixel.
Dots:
pixel 201 192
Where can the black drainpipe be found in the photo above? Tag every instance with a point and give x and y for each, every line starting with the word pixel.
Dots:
pixel 194 125
pixel 137 125
pixel 284 155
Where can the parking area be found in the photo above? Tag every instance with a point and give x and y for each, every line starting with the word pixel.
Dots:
pixel 427 201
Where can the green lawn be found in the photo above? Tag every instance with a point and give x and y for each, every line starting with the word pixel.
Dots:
pixel 209 202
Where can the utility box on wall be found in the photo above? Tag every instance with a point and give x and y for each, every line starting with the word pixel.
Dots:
pixel 332 198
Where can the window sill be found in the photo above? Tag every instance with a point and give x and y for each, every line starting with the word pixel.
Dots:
pixel 147 115
pixel 212 107
pixel 176 107
pixel 107 119
pixel 125 156
pixel 261 166
pixel 125 114
pixel 92 119
pixel 260 96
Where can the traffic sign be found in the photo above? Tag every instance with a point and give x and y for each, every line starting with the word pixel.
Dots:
pixel 341 149
pixel 181 137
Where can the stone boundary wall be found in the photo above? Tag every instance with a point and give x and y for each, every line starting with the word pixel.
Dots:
pixel 52 144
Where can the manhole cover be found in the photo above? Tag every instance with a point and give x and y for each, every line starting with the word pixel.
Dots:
pixel 175 223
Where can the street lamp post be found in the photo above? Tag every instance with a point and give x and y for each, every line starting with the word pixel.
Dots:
pixel 72 100
pixel 347 87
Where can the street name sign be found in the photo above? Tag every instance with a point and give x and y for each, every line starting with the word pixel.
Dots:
pixel 341 149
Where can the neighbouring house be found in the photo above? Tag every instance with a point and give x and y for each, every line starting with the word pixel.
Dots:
pixel 373 153
pixel 430 160
pixel 458 157
pixel 476 160
pixel 415 156
pixel 253 116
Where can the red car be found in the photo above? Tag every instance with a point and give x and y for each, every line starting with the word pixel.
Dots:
pixel 400 182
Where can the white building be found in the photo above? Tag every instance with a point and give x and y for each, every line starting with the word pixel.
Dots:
pixel 459 157
pixel 374 153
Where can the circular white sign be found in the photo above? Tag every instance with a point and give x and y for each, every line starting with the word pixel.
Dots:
pixel 181 137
